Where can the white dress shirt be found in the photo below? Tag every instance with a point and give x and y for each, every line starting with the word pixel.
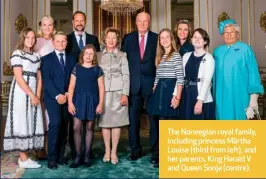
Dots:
pixel 83 37
pixel 58 56
pixel 145 39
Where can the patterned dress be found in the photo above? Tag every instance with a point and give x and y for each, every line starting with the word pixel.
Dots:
pixel 24 124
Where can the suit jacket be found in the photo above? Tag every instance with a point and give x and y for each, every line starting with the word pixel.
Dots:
pixel 115 69
pixel 55 79
pixel 142 71
pixel 73 47
pixel 205 74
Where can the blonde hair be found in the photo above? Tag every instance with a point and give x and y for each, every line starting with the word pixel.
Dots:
pixel 178 43
pixel 21 40
pixel 160 49
pixel 46 17
pixel 59 33
pixel 114 30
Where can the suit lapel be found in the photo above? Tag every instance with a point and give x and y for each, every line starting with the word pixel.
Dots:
pixel 136 38
pixel 87 39
pixel 147 47
pixel 74 42
pixel 58 65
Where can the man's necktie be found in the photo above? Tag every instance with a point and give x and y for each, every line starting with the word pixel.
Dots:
pixel 81 45
pixel 141 46
pixel 62 62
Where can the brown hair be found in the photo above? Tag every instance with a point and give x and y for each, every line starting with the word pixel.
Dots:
pixel 22 36
pixel 114 30
pixel 79 12
pixel 204 35
pixel 160 49
pixel 176 32
pixel 94 60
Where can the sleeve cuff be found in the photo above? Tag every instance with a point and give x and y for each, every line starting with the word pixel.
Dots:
pixel 256 89
pixel 57 96
pixel 125 92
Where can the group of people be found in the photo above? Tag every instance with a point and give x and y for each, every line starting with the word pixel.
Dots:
pixel 64 84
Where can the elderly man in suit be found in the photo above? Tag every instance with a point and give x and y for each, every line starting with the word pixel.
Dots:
pixel 140 47
pixel 76 41
pixel 56 68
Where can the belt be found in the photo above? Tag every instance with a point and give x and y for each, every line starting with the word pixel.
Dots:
pixel 191 82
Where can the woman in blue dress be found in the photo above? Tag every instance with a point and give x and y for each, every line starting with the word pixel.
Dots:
pixel 198 66
pixel 85 99
pixel 237 81
pixel 182 34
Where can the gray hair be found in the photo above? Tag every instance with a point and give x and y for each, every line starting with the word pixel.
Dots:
pixel 235 26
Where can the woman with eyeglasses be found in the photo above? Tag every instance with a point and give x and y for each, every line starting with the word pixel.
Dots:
pixel 237 81
pixel 182 34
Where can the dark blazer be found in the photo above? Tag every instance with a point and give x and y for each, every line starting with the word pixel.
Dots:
pixel 73 47
pixel 55 79
pixel 142 72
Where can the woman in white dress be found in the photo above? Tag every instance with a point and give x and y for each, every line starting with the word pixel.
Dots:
pixel 44 46
pixel 24 124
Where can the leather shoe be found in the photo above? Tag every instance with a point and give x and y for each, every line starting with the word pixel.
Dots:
pixel 62 161
pixel 52 165
pixel 135 156
pixel 74 165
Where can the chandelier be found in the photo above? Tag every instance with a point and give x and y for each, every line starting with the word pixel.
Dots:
pixel 121 7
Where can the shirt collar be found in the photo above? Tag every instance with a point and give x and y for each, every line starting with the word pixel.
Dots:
pixel 57 52
pixel 77 34
pixel 145 35
pixel 114 52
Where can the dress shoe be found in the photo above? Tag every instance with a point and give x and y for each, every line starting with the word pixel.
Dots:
pixel 135 156
pixel 87 164
pixel 114 159
pixel 154 160
pixel 74 165
pixel 156 165
pixel 41 155
pixel 52 165
pixel 62 161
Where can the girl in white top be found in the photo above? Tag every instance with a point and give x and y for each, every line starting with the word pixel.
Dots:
pixel 198 67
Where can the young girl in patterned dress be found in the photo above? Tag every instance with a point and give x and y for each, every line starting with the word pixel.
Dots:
pixel 24 124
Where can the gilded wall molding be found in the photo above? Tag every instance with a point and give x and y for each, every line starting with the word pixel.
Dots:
pixel 263 21
pixel 223 16
pixel 5 91
pixel 7 69
pixel 20 23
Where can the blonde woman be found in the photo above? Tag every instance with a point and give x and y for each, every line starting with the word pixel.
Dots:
pixel 45 46
pixel 44 41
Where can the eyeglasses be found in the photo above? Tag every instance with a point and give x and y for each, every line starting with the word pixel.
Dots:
pixel 229 33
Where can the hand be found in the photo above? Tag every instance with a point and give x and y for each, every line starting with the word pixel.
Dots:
pixel 123 100
pixel 71 108
pixel 175 102
pixel 35 101
pixel 253 102
pixel 66 95
pixel 153 89
pixel 99 109
pixel 250 113
pixel 61 99
pixel 198 107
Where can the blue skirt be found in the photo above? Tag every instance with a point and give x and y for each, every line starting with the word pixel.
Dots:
pixel 85 104
pixel 162 97
pixel 188 102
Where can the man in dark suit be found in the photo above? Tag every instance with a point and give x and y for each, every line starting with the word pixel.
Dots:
pixel 79 38
pixel 76 41
pixel 140 47
pixel 56 68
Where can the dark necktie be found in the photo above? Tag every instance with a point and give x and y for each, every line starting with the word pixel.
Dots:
pixel 62 62
pixel 81 45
